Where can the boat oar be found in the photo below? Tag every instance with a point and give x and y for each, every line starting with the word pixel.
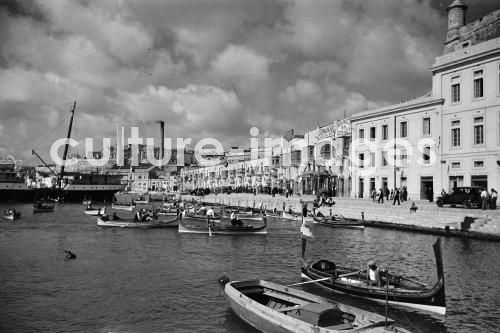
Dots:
pixel 414 281
pixel 349 274
pixel 312 281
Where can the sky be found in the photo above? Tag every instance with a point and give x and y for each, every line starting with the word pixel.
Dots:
pixel 211 68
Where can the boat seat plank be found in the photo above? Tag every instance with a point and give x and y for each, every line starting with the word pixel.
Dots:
pixel 285 297
pixel 290 308
pixel 346 326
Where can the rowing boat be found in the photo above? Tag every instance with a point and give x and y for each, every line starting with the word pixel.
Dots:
pixel 104 221
pixel 95 211
pixel 43 207
pixel 187 225
pixel 338 220
pixel 270 307
pixel 127 208
pixel 11 214
pixel 402 291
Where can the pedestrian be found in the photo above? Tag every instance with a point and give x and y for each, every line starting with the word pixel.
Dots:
pixel 484 199
pixel 494 197
pixel 386 190
pixel 391 196
pixel 396 197
pixel 373 194
pixel 381 196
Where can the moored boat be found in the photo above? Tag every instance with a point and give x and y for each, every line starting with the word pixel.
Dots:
pixel 128 208
pixel 187 225
pixel 402 291
pixel 270 307
pixel 105 221
pixel 11 214
pixel 95 211
pixel 43 207
pixel 338 220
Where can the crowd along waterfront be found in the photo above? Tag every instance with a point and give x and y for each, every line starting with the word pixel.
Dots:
pixel 158 280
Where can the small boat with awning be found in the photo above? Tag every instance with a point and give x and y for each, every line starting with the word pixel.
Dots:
pixel 270 307
pixel 401 291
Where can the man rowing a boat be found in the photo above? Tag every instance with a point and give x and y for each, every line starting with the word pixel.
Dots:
pixel 373 274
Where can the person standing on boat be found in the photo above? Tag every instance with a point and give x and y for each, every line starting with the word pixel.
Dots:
pixel 373 274
pixel 210 214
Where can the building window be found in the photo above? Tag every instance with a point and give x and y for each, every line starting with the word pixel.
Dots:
pixel 455 133
pixel 403 129
pixel 478 164
pixel 403 157
pixel 372 159
pixel 426 126
pixel 478 131
pixel 455 165
pixel 361 134
pixel 455 89
pixel 478 84
pixel 325 152
pixel 361 160
pixel 372 133
pixel 384 158
pixel 385 132
pixel 427 155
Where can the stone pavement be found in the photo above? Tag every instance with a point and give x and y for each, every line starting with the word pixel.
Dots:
pixel 428 217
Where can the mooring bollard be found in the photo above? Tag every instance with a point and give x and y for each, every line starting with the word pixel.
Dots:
pixel 330 212
pixel 362 216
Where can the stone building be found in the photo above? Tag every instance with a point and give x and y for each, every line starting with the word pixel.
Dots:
pixel 451 136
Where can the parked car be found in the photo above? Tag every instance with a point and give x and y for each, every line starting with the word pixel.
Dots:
pixel 466 196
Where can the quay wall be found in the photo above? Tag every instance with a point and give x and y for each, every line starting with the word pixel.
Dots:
pixel 428 217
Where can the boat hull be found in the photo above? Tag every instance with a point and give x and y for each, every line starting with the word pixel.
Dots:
pixel 11 216
pixel 128 208
pixel 221 230
pixel 341 223
pixel 121 223
pixel 267 319
pixel 95 212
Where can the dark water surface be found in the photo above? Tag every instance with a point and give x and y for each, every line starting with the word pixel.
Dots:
pixel 156 280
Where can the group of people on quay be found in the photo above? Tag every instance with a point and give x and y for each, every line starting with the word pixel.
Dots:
pixel 395 195
pixel 489 199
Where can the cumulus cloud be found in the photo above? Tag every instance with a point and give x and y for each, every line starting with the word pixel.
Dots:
pixel 212 68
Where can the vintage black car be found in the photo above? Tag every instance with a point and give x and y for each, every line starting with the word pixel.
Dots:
pixel 466 196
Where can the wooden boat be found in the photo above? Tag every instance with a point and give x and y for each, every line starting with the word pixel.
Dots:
pixel 270 307
pixel 95 211
pixel 187 225
pixel 338 220
pixel 11 214
pixel 402 291
pixel 43 207
pixel 128 208
pixel 289 216
pixel 105 221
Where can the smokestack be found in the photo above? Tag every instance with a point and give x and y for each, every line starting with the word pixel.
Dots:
pixel 162 133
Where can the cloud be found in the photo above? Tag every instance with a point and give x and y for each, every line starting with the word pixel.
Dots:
pixel 241 66
pixel 209 68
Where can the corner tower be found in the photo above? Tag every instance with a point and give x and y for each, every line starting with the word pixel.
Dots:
pixel 456 20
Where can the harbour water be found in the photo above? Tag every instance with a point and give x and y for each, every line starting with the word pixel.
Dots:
pixel 156 280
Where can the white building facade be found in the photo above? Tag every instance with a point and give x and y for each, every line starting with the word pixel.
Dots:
pixel 448 138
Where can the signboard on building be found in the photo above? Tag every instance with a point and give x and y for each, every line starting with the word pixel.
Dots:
pixel 288 135
pixel 335 129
